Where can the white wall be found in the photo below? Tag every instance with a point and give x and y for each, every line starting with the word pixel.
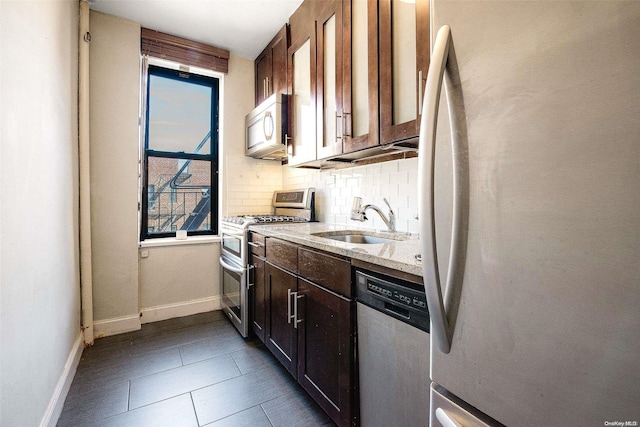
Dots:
pixel 396 180
pixel 248 184
pixel 40 336
pixel 168 281
pixel 179 280
pixel 114 93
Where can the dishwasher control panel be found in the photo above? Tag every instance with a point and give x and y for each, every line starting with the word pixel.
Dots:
pixel 405 296
pixel 396 297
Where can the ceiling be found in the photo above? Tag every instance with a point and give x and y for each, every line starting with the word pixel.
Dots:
pixel 243 27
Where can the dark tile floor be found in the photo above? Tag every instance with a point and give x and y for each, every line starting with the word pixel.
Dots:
pixel 190 371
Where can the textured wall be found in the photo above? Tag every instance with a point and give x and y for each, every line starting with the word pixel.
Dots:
pixel 40 292
pixel 114 95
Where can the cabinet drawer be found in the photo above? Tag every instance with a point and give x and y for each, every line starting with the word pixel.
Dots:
pixel 325 270
pixel 256 244
pixel 282 254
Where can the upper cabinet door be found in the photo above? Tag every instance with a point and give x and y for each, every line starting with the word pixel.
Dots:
pixel 279 46
pixel 360 52
pixel 301 146
pixel 330 29
pixel 271 67
pixel 404 62
pixel 263 74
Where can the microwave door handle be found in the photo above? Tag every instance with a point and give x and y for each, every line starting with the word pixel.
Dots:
pixel 267 115
pixel 230 267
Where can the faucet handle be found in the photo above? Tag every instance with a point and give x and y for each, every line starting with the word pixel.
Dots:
pixel 387 203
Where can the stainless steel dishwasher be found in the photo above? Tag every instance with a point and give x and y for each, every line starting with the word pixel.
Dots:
pixel 393 351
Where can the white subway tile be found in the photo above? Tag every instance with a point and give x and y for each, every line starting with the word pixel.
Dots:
pixel 353 182
pixel 413 226
pixel 381 179
pixel 400 178
pixel 348 191
pixel 388 190
pixel 389 167
pixel 373 169
pixel 341 219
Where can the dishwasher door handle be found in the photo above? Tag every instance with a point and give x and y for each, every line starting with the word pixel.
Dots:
pixel 397 311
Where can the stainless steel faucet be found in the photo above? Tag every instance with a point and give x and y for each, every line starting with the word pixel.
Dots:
pixel 358 213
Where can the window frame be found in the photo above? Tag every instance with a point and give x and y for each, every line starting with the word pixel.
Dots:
pixel 212 157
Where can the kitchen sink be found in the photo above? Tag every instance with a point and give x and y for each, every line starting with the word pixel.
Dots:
pixel 359 237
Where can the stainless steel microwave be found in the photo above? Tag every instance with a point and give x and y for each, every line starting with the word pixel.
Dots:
pixel 265 129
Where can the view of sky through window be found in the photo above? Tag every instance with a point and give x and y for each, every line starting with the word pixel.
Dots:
pixel 179 115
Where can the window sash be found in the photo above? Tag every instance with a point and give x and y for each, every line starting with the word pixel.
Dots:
pixel 212 158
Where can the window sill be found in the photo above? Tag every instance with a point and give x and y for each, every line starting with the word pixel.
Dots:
pixel 172 241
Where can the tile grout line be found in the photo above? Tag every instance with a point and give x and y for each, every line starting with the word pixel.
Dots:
pixel 129 396
pixel 265 412
pixel 193 405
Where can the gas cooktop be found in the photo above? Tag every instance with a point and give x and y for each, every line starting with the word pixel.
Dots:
pixel 289 206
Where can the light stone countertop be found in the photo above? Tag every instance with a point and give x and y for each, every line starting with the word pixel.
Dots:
pixel 398 255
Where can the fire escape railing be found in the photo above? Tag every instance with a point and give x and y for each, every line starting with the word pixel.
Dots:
pixel 185 210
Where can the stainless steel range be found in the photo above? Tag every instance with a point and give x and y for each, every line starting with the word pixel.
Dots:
pixel 288 207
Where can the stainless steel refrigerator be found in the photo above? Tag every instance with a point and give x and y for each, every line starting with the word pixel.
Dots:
pixel 530 212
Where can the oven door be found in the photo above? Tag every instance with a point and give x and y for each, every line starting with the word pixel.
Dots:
pixel 234 245
pixel 234 294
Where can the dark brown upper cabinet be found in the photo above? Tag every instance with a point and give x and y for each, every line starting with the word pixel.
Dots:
pixel 301 143
pixel 356 72
pixel 404 61
pixel 271 67
pixel 331 29
pixel 344 79
pixel 361 101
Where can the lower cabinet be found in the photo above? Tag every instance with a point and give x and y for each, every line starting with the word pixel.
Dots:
pixel 325 353
pixel 281 336
pixel 257 293
pixel 310 327
pixel 257 288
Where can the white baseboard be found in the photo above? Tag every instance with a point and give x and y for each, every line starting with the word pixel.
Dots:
pixel 54 409
pixel 117 325
pixel 187 308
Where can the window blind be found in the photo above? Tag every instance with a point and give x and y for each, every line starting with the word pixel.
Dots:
pixel 183 51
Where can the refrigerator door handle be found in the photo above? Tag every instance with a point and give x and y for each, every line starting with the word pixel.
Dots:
pixel 445 419
pixel 440 327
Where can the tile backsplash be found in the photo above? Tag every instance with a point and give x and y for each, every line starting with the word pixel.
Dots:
pixel 250 184
pixel 396 180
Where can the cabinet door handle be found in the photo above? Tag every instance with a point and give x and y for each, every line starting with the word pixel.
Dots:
pixel 264 88
pixel 339 117
pixel 420 92
pixel 345 122
pixel 289 306
pixel 267 92
pixel 295 310
pixel 250 281
pixel 256 244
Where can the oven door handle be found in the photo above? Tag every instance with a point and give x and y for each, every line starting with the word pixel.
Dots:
pixel 231 267
pixel 232 233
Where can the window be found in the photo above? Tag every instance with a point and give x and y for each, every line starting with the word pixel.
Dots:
pixel 180 182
